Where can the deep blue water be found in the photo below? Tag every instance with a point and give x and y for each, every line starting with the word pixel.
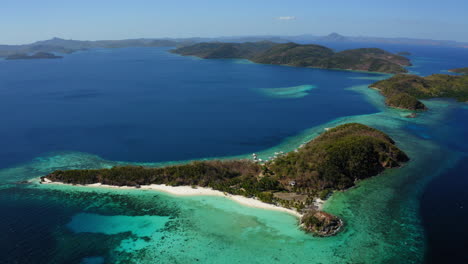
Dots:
pixel 444 208
pixel 145 104
pixel 444 203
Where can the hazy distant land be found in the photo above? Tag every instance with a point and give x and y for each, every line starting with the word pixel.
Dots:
pixel 38 55
pixel 67 45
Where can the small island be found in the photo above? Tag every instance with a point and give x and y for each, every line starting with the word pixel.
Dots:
pixel 403 91
pixel 334 161
pixel 292 54
pixel 460 70
pixel 35 56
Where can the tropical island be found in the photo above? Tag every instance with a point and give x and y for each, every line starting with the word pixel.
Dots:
pixel 333 161
pixel 460 70
pixel 403 91
pixel 35 56
pixel 292 54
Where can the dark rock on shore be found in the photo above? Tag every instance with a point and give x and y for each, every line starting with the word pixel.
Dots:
pixel 321 223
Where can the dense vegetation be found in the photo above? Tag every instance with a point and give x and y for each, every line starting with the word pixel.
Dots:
pixel 403 91
pixel 460 70
pixel 334 160
pixel 221 50
pixel 337 158
pixel 292 54
pixel 38 55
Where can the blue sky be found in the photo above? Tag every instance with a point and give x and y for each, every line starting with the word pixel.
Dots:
pixel 24 21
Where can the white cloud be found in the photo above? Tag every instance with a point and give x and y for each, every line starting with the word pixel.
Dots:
pixel 286 18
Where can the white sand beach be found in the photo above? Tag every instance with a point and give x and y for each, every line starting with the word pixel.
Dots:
pixel 192 191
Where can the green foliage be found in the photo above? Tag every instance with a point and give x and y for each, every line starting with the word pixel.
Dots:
pixel 338 157
pixel 294 54
pixel 460 70
pixel 266 197
pixel 369 59
pixel 310 220
pixel 324 194
pixel 405 101
pixel 334 160
pixel 403 91
pixel 222 50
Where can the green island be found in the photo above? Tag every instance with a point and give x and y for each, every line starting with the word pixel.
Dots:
pixel 460 70
pixel 292 54
pixel 37 55
pixel 403 90
pixel 333 161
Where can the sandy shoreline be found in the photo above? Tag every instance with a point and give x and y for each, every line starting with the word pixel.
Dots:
pixel 190 191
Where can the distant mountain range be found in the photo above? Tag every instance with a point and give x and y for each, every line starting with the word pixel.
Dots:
pixel 59 45
pixel 335 37
pixel 68 46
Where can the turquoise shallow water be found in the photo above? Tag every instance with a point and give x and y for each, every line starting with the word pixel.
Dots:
pixel 66 224
pixel 288 92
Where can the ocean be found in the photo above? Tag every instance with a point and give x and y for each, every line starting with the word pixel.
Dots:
pixel 105 107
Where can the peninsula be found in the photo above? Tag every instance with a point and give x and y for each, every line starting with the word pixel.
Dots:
pixel 460 70
pixel 403 91
pixel 335 160
pixel 35 56
pixel 292 54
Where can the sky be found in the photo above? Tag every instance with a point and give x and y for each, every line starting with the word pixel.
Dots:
pixel 26 21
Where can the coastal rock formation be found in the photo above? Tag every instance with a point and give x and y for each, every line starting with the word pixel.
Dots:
pixel 321 223
pixel 292 54
pixel 403 91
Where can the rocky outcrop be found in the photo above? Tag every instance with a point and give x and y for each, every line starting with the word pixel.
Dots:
pixel 321 223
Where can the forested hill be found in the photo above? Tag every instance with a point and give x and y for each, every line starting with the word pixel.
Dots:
pixel 292 54
pixel 403 91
